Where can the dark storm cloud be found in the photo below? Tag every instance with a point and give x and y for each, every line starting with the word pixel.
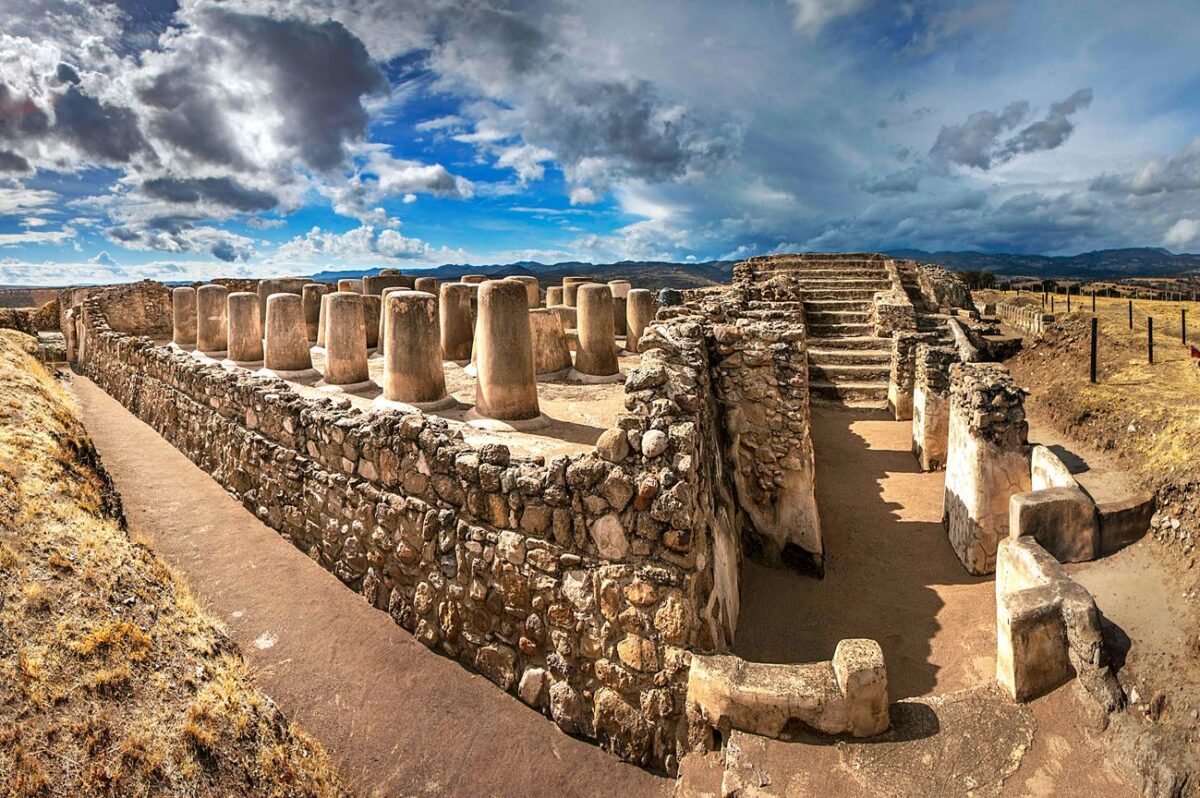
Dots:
pixel 1052 131
pixel 220 190
pixel 11 162
pixel 20 117
pixel 67 74
pixel 974 142
pixel 977 142
pixel 905 181
pixel 109 133
pixel 623 122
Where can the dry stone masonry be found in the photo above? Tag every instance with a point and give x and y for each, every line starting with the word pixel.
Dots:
pixel 602 588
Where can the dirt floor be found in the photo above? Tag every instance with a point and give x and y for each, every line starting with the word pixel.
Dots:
pixel 398 718
pixel 892 576
pixel 578 413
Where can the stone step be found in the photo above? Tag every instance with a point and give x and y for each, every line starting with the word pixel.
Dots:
pixel 837 304
pixel 843 373
pixel 838 282
pixel 859 273
pixel 838 330
pixel 851 342
pixel 824 356
pixel 875 391
pixel 836 316
pixel 857 294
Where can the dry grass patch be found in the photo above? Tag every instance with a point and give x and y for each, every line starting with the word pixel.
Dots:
pixel 112 681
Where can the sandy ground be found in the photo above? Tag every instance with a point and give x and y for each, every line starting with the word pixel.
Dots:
pixel 892 576
pixel 400 719
pixel 578 413
pixel 890 572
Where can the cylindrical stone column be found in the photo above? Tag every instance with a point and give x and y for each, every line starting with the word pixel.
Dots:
pixel 532 288
pixel 245 330
pixel 620 291
pixel 389 278
pixel 473 279
pixel 570 287
pixel 311 301
pixel 427 284
pixel 276 285
pixel 350 286
pixel 457 323
pixel 372 318
pixel 412 363
pixel 596 345
pixel 551 355
pixel 212 334
pixel 183 318
pixel 286 351
pixel 554 296
pixel 506 385
pixel 381 346
pixel 322 315
pixel 639 311
pixel 345 342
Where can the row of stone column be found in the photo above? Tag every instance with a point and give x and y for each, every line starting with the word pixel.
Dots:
pixel 511 342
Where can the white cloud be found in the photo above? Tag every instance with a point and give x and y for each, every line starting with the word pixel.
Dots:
pixel 36 237
pixel 812 15
pixel 362 245
pixel 1183 235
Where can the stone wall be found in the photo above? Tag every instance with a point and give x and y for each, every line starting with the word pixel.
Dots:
pixel 19 319
pixel 987 460
pixel 1025 318
pixel 580 584
pixel 893 310
pixel 942 288
pixel 142 308
pixel 759 359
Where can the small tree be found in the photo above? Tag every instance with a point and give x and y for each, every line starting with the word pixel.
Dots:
pixel 975 278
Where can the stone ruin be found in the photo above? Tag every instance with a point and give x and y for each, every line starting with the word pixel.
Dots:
pixel 600 584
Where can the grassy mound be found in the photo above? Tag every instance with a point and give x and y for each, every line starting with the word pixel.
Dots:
pixel 113 681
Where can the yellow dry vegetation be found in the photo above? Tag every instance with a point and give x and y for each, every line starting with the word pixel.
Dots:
pixel 113 681
pixel 1147 413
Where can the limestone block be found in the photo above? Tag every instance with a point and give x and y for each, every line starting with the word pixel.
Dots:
pixel 1046 470
pixel 848 695
pixel 1062 520
pixel 1031 646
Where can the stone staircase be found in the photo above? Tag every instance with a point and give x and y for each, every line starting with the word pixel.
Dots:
pixel 846 362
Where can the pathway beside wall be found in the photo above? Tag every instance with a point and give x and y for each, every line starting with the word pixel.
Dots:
pixel 399 718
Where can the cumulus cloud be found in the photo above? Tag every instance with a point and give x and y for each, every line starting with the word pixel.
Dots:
pixel 978 143
pixel 361 245
pixel 1158 175
pixel 1183 235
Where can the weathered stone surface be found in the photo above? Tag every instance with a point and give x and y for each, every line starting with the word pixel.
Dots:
pixel 613 445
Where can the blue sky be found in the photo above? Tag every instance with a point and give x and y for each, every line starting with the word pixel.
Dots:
pixel 146 138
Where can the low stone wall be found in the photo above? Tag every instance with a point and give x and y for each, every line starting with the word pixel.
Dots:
pixel 903 372
pixel 1048 628
pixel 847 695
pixel 1024 318
pixel 580 584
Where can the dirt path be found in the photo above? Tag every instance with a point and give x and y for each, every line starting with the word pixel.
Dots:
pixel 401 719
pixel 890 572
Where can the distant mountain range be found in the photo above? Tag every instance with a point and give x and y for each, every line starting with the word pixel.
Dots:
pixel 1102 264
pixel 643 274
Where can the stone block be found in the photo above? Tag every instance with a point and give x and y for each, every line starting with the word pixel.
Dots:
pixel 1062 520
pixel 1047 470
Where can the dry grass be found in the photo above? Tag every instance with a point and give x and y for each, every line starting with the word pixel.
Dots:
pixel 1149 414
pixel 112 681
